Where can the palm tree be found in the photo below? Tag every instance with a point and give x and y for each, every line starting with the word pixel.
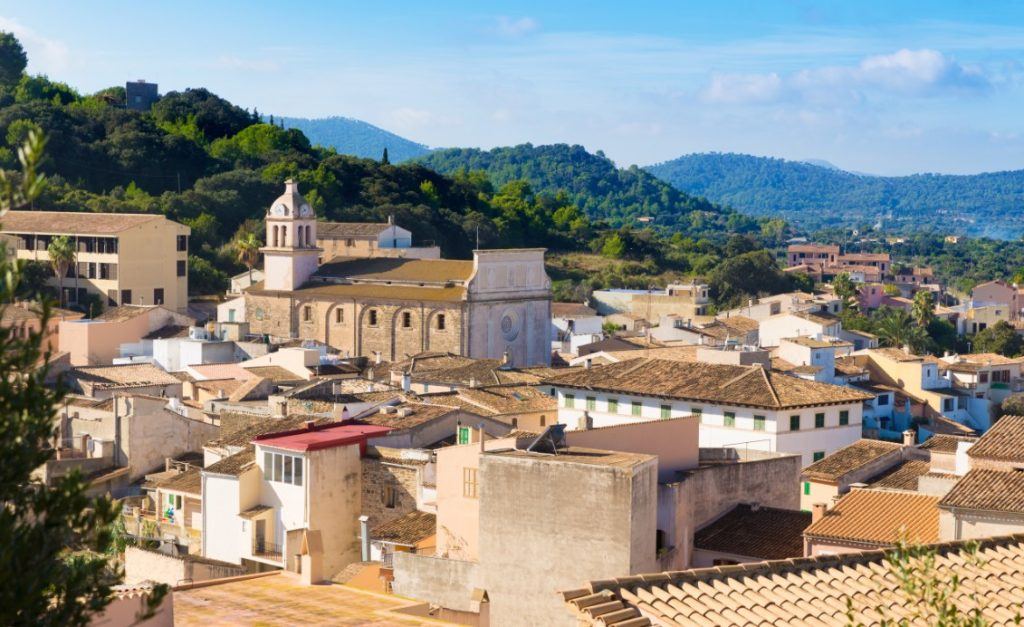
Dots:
pixel 62 256
pixel 247 250
pixel 897 328
pixel 923 309
pixel 846 290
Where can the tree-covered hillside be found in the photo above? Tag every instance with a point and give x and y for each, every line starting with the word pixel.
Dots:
pixel 348 136
pixel 595 185
pixel 813 197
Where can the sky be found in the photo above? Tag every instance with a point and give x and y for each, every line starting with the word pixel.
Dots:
pixel 878 87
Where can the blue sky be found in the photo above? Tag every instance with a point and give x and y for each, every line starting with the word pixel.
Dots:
pixel 880 87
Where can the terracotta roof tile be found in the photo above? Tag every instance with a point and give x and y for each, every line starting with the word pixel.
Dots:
pixel 128 375
pixel 397 269
pixel 407 530
pixel 761 532
pixel 343 230
pixel 189 482
pixel 74 222
pixel 990 490
pixel 942 443
pixel 811 591
pixel 1002 442
pixel 234 465
pixel 570 310
pixel 405 415
pixel 902 476
pixel 848 459
pixel 751 386
pixel 879 517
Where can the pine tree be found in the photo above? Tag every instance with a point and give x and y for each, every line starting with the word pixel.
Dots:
pixel 272 120
pixel 384 159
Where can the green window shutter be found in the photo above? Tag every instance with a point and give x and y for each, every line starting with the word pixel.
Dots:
pixel 613 405
pixel 758 423
pixel 807 487
pixel 819 455
pixel 591 403
pixel 666 411
pixel 570 400
pixel 698 412
pixel 794 423
pixel 637 408
pixel 819 421
pixel 844 417
pixel 730 419
pixel 463 435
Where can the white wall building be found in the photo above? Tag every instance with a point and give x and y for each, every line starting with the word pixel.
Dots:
pixel 793 324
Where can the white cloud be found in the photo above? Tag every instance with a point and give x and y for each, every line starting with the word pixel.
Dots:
pixel 516 27
pixel 45 55
pixel 922 72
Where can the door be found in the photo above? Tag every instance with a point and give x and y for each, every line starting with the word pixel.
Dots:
pixel 259 541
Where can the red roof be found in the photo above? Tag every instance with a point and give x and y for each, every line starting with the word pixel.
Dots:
pixel 326 436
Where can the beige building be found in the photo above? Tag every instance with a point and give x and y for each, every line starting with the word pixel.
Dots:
pixel 867 519
pixel 370 239
pixel 126 258
pixel 99 340
pixel 500 302
pixel 683 299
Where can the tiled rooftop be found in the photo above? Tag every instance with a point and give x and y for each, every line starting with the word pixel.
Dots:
pixel 761 532
pixel 189 482
pixel 990 490
pixel 128 375
pixel 234 465
pixel 74 222
pixel 405 415
pixel 570 310
pixel 847 459
pixel 397 270
pixel 941 443
pixel 406 530
pixel 879 517
pixel 751 386
pixel 812 591
pixel 1003 442
pixel 902 476
pixel 342 230
pixel 579 455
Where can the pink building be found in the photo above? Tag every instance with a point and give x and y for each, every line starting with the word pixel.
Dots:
pixel 98 341
pixel 811 254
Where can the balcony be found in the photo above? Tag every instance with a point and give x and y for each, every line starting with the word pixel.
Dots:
pixel 267 550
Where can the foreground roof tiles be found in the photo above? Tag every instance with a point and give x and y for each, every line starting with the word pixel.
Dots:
pixel 760 532
pixel 805 591
pixel 751 386
pixel 879 517
pixel 990 490
pixel 1003 442
pixel 848 459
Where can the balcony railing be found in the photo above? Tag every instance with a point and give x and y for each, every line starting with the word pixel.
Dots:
pixel 266 550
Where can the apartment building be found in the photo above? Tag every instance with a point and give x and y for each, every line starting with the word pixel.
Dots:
pixel 811 255
pixel 738 406
pixel 125 258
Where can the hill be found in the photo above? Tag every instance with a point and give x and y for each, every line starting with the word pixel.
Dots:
pixel 349 136
pixel 594 184
pixel 815 197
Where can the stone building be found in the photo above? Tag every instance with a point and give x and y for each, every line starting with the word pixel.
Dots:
pixel 499 302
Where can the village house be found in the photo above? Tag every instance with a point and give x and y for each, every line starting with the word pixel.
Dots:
pixel 801 323
pixel 117 332
pixel 738 406
pixel 102 382
pixel 820 255
pixel 497 303
pixel 572 325
pixel 370 239
pixel 124 258
pixel 750 533
pixel 867 519
pixel 24 318
pixel 999 293
pixel 683 299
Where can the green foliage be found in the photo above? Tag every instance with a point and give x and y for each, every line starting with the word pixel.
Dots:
pixel 815 197
pixel 1013 405
pixel 923 309
pixel 746 275
pixel 204 278
pixel 62 256
pixel 33 88
pixel 614 247
pixel 1000 338
pixel 259 144
pixel 891 290
pixel 13 59
pixel 33 285
pixel 896 328
pixel 213 115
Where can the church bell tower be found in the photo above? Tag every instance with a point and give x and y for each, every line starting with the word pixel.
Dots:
pixel 291 254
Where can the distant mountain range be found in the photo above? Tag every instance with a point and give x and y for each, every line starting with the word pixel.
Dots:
pixel 819 195
pixel 355 137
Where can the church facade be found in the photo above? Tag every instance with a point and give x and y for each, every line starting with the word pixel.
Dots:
pixel 500 302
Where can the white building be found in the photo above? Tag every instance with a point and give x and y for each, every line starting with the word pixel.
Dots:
pixel 745 407
pixel 793 324
pixel 574 325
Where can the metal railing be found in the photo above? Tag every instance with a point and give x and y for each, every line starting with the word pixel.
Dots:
pixel 266 550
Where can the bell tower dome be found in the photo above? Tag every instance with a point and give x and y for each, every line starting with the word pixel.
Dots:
pixel 291 254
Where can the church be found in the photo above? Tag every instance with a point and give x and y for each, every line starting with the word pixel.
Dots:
pixel 499 303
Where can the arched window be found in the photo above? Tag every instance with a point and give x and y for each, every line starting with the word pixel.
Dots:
pixel 373 317
pixel 309 236
pixel 277 236
pixel 339 315
pixel 440 322
pixel 284 235
pixel 406 320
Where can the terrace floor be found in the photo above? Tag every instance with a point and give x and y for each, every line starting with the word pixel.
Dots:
pixel 282 600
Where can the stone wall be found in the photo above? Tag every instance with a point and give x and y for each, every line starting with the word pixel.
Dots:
pixel 142 565
pixel 445 582
pixel 377 477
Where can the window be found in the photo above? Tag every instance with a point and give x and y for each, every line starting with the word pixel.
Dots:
pixel 158 296
pixel 126 297
pixel 182 243
pixel 440 322
pixel 469 483
pixel 883 400
pixel 182 267
pixel 730 419
pixel 666 411
pixel 613 405
pixel 794 423
pixel 570 401
pixel 818 455
pixel 282 468
pixel 307 313
pixel 947 404
pixel 543 420
pixel 373 317
pixel 388 496
pixel 108 270
pixel 406 320
pixel 463 435
pixel 339 315
pixel 982 377
pixel 591 403
pixel 819 421
pixel 637 408
pixel 807 487
pixel 758 423
pixel 844 417
pixel 698 412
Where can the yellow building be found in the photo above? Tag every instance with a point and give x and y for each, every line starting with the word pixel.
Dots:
pixel 127 258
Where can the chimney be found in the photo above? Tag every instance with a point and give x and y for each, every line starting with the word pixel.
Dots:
pixel 472 382
pixel 391 219
pixel 364 537
pixel 406 382
pixel 908 437
pixel 506 358
pixel 378 357
pixel 586 422
pixel 587 364
pixel 310 425
pixel 818 512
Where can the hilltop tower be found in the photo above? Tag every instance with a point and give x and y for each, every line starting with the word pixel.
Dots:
pixel 291 254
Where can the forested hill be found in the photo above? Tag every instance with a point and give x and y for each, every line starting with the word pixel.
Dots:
pixel 812 197
pixel 593 183
pixel 349 136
